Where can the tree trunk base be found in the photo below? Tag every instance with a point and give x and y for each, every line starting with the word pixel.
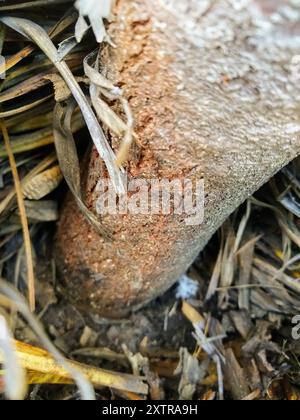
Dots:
pixel 215 97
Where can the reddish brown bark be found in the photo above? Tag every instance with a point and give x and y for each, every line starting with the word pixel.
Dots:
pixel 214 96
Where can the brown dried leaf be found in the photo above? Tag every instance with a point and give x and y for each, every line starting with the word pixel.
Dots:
pixel 43 184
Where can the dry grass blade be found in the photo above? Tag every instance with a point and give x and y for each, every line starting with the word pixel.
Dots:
pixel 276 274
pixel 290 230
pixel 209 345
pixel 38 360
pixel 126 144
pixel 37 139
pixel 31 120
pixel 28 142
pixel 26 51
pixel 23 217
pixel 2 37
pixel 228 264
pixel 18 303
pixel 215 278
pixel 242 227
pixel 101 85
pixel 30 4
pixel 69 163
pixel 44 369
pixel 15 59
pixel 246 255
pixel 44 164
pixel 28 85
pixel 23 108
pixel 15 381
pixel 105 113
pixel 39 36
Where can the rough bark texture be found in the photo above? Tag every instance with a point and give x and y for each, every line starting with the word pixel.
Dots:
pixel 214 96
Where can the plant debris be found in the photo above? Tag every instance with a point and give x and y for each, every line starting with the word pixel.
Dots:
pixel 224 332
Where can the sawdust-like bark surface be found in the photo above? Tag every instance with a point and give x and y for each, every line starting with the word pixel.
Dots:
pixel 214 97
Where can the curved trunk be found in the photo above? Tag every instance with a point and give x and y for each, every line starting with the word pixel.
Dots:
pixel 214 88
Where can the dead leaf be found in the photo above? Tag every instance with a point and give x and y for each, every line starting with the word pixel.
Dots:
pixel 43 183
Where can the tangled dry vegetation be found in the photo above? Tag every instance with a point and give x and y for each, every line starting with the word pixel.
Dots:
pixel 231 337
